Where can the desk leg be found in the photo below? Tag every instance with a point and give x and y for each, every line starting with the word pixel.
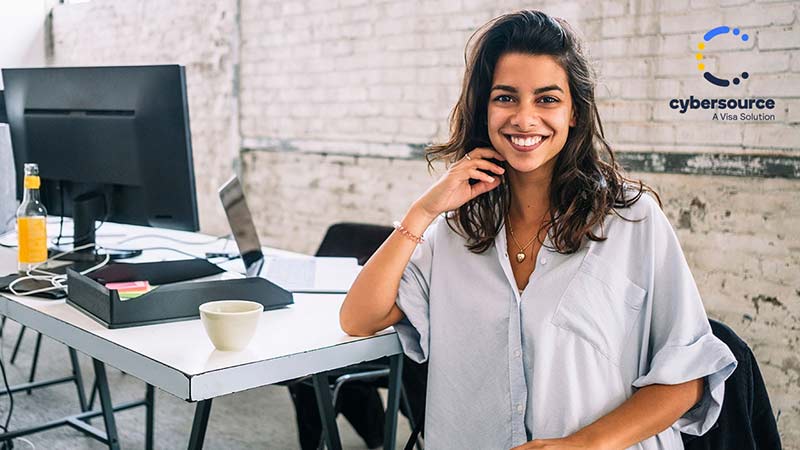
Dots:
pixel 150 412
pixel 326 412
pixel 35 361
pixel 393 403
pixel 76 373
pixel 105 404
pixel 19 342
pixel 199 425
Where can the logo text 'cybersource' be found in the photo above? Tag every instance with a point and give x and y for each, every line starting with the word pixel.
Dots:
pixel 730 104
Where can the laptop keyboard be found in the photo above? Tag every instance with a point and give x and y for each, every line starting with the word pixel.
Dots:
pixel 291 273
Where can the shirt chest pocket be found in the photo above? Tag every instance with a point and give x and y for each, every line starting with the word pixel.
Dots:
pixel 600 305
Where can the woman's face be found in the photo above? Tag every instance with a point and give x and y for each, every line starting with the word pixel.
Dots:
pixel 530 111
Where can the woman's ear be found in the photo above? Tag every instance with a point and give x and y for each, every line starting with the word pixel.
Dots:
pixel 574 119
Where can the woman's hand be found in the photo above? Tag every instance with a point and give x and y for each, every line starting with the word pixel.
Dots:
pixel 453 188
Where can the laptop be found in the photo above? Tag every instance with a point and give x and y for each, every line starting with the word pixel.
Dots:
pixel 293 273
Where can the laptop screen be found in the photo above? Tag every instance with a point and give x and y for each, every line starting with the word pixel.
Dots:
pixel 242 226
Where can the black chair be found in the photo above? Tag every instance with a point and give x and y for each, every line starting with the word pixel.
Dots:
pixel 745 421
pixel 354 388
pixel 353 240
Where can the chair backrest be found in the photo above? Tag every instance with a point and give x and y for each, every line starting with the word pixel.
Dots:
pixel 745 421
pixel 356 240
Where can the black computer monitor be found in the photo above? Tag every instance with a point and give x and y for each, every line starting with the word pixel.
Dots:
pixel 112 143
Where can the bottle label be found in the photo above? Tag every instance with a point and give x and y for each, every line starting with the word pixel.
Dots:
pixel 32 233
pixel 32 182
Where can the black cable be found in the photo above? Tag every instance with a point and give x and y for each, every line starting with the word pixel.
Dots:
pixel 106 216
pixel 102 221
pixel 10 398
pixel 61 212
pixel 7 444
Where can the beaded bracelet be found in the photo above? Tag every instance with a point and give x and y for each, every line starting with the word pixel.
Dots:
pixel 402 230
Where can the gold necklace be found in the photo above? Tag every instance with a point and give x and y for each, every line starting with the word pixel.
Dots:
pixel 521 254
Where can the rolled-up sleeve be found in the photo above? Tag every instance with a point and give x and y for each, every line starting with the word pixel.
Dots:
pixel 681 346
pixel 412 299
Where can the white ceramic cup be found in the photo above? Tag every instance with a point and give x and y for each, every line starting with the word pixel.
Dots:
pixel 230 324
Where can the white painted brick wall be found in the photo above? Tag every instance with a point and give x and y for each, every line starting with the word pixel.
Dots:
pixel 644 51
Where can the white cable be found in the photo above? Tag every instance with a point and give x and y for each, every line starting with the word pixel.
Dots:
pixel 56 281
pixel 3 236
pixel 98 265
pixel 33 447
pixel 157 248
pixel 158 236
pixel 59 255
pixel 72 240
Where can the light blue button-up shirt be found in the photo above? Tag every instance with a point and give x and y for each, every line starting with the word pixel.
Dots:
pixel 589 329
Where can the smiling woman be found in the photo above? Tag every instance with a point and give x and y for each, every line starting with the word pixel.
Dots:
pixel 547 291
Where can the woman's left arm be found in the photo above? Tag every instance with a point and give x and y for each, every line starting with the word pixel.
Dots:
pixel 649 411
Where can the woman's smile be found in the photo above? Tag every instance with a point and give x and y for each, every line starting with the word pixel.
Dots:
pixel 525 143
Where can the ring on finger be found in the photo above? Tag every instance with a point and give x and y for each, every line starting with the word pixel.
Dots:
pixel 467 157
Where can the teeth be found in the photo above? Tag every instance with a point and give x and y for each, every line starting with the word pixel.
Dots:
pixel 526 142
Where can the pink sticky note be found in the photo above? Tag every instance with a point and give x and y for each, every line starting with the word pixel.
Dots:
pixel 129 286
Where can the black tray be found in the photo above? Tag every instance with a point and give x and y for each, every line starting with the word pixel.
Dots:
pixel 171 301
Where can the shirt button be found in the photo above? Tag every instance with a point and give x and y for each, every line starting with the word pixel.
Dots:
pixel 517 353
pixel 519 408
pixel 543 260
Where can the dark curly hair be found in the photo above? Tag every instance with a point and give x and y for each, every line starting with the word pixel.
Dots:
pixel 587 182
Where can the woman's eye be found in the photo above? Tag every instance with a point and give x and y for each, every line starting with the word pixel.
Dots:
pixel 503 98
pixel 548 99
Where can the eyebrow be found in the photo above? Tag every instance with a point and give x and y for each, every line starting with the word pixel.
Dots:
pixel 537 91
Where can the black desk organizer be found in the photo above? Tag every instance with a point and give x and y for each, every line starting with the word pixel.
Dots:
pixel 171 300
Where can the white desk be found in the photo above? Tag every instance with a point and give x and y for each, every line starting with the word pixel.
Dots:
pixel 302 339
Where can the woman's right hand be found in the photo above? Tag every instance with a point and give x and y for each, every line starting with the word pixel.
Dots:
pixel 370 304
pixel 453 188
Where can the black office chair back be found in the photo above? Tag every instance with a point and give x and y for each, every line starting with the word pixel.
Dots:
pixel 746 421
pixel 355 240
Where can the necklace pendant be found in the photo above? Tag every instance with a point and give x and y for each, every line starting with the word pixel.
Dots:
pixel 520 257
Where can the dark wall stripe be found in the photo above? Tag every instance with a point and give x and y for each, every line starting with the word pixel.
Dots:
pixel 759 166
pixel 720 164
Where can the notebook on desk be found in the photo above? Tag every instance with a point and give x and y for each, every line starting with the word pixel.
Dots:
pixel 293 273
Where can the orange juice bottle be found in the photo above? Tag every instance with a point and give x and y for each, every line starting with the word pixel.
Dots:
pixel 31 223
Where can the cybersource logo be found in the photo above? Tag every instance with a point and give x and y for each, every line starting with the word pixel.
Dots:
pixel 711 34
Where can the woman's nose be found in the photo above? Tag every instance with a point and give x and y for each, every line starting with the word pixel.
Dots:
pixel 525 117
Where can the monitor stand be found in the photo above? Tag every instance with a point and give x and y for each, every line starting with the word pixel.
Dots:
pixel 86 209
